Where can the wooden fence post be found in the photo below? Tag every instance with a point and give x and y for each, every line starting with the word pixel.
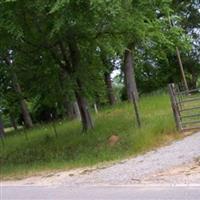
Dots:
pixel 95 108
pixel 136 110
pixel 53 125
pixel 174 106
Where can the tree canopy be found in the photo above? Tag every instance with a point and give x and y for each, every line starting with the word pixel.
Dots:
pixel 57 54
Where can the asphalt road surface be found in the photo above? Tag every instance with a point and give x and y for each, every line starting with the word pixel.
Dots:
pixel 100 192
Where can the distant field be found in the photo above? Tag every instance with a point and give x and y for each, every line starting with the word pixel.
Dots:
pixel 72 149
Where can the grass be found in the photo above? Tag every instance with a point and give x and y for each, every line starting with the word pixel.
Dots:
pixel 72 149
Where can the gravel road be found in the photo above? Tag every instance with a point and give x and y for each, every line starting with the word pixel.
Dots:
pixel 163 165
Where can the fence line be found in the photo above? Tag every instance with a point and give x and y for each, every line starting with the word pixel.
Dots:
pixel 186 107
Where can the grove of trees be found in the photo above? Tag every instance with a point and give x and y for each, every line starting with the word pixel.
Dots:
pixel 57 57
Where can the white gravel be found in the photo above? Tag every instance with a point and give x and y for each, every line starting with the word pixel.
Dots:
pixel 131 171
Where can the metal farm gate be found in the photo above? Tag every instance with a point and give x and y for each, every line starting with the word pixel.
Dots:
pixel 186 107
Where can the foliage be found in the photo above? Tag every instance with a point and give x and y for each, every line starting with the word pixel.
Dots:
pixel 56 48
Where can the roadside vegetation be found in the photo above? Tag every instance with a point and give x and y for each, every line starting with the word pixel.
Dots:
pixel 71 149
pixel 70 72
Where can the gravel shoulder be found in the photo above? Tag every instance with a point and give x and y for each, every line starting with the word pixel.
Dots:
pixel 176 163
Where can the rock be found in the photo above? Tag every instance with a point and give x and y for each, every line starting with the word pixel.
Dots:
pixel 71 174
pixel 113 140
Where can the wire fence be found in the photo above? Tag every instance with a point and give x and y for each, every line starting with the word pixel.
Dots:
pixel 185 106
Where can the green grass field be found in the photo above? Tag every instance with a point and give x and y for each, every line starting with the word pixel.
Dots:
pixel 72 149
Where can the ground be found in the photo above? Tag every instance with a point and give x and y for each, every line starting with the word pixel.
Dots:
pixel 116 136
pixel 177 164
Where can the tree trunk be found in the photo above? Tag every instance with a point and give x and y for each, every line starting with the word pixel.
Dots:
pixel 24 109
pixel 2 133
pixel 71 109
pixel 81 100
pixel 84 111
pixel 69 106
pixel 26 115
pixel 13 122
pixel 110 92
pixel 95 108
pixel 107 78
pixel 194 78
pixel 76 110
pixel 129 76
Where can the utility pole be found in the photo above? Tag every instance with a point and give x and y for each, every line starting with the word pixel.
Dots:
pixel 182 69
pixel 179 60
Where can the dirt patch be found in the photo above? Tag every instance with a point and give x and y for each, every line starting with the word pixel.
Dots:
pixel 187 173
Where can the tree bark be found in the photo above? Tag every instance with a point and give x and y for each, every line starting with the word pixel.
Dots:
pixel 110 92
pixel 84 111
pixel 129 76
pixel 81 100
pixel 76 110
pixel 24 109
pixel 95 108
pixel 13 122
pixel 26 115
pixel 194 77
pixel 107 79
pixel 69 106
pixel 71 109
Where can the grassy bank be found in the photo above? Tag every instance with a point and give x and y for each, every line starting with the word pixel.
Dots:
pixel 71 149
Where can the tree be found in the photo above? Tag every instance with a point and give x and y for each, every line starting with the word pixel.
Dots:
pixel 107 62
pixel 67 49
pixel 16 86
pixel 9 38
pixel 188 13
pixel 129 75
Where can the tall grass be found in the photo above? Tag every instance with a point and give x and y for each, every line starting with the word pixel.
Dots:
pixel 44 151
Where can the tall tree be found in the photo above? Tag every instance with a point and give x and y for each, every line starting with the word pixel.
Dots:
pixel 189 14
pixel 23 105
pixel 54 37
pixel 129 74
pixel 107 78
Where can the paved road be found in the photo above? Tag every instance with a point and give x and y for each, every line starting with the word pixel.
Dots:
pixel 100 192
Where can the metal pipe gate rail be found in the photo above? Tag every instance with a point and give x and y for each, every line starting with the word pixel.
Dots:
pixel 186 107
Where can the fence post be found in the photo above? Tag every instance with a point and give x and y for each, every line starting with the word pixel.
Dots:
pixel 180 97
pixel 95 108
pixel 53 125
pixel 136 110
pixel 174 106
